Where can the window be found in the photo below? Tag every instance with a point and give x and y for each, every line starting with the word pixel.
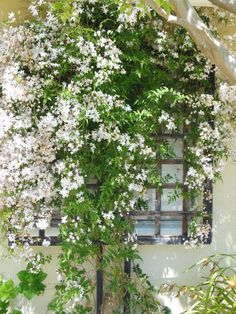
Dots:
pixel 167 215
pixel 166 218
pixel 50 234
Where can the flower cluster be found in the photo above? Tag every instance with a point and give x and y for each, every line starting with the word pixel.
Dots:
pixel 209 144
pixel 61 121
pixel 199 234
pixel 83 91
pixel 33 135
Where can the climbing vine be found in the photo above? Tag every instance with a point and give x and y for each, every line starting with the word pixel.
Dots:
pixel 84 86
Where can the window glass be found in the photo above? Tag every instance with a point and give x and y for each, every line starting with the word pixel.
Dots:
pixel 177 147
pixel 175 172
pixel 166 205
pixel 145 227
pixel 51 232
pixel 171 227
pixel 34 232
pixel 151 199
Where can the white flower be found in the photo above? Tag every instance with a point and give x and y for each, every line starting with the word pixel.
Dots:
pixel 108 216
pixel 170 125
pixel 227 93
pixel 33 10
pixel 71 182
pixel 46 243
pixel 64 219
pixel 60 277
pixel 80 197
pixel 11 16
pixel 168 120
pixel 135 187
pixel 11 237
pixel 164 117
pixel 42 224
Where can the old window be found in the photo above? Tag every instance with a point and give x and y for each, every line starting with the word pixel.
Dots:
pixel 48 236
pixel 167 216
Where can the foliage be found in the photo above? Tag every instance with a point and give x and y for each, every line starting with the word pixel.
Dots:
pixel 30 285
pixel 127 5
pixel 8 291
pixel 217 292
pixel 84 90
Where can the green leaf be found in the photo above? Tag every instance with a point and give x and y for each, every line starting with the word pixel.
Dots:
pixel 31 284
pixel 23 275
pixel 8 291
pixel 16 312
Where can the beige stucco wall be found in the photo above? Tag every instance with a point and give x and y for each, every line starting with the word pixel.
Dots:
pixel 17 6
pixel 168 263
pixel 162 263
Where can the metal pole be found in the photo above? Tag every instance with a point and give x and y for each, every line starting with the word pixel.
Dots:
pixel 99 284
pixel 127 270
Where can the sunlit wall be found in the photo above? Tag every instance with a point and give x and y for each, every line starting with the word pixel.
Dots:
pixel 162 263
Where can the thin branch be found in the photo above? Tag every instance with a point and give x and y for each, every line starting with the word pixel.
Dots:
pixel 187 17
pixel 205 40
pixel 168 17
pixel 228 5
pixel 153 4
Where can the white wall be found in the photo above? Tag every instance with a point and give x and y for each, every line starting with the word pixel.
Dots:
pixel 163 263
pixel 17 6
pixel 168 263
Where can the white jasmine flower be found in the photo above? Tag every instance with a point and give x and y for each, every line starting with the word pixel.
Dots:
pixel 11 16
pixel 46 242
pixel 64 219
pixel 135 187
pixel 108 216
pixel 42 224
pixel 33 10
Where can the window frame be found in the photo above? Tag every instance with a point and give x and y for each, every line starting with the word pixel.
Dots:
pixel 155 215
pixel 184 215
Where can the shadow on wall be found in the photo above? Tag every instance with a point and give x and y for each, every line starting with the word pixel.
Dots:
pixel 225 211
pixel 167 263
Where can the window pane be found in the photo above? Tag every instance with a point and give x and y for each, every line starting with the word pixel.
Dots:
pixel 151 199
pixel 145 227
pixel 177 147
pixel 51 232
pixel 175 171
pixel 171 227
pixel 34 232
pixel 176 205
